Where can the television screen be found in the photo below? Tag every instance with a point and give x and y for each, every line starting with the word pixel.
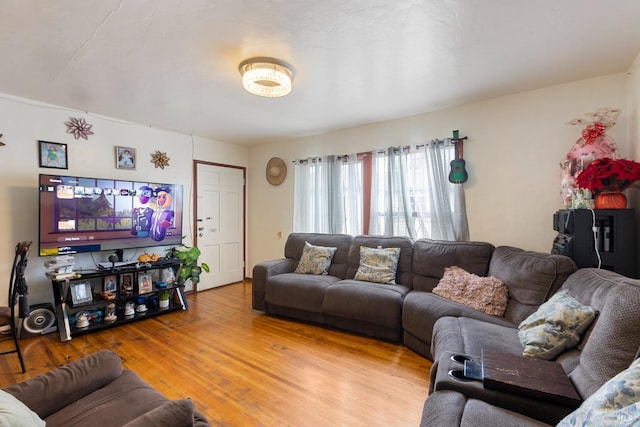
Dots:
pixel 93 214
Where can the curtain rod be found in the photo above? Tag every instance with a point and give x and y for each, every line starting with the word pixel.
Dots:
pixel 453 140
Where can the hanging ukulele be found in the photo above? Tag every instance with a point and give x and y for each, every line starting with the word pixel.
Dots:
pixel 458 173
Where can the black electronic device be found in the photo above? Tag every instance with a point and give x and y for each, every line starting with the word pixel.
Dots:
pixel 40 321
pixel 600 238
pixel 83 214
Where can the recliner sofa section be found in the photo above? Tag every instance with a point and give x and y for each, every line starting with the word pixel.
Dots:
pixel 407 310
pixel 335 299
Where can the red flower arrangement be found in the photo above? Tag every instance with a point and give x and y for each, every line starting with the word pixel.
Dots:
pixel 608 175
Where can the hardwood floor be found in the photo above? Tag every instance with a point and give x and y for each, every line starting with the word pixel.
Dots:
pixel 244 368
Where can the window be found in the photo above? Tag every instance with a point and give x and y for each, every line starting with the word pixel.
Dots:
pixel 399 191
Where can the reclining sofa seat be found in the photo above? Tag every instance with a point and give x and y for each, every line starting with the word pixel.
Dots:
pixel 335 299
pixel 531 277
pixel 368 308
pixel 299 296
pixel 608 347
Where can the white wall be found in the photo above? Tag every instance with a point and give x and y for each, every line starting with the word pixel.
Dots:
pixel 633 129
pixel 515 146
pixel 24 122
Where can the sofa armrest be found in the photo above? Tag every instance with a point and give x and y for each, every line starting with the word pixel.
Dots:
pixel 47 393
pixel 262 272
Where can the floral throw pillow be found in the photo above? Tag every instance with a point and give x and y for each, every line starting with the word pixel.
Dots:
pixel 378 265
pixel 555 326
pixel 616 403
pixel 315 259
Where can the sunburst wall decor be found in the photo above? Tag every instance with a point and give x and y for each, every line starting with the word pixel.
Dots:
pixel 79 128
pixel 160 159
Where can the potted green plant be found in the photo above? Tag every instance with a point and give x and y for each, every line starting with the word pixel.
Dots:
pixel 190 269
pixel 163 298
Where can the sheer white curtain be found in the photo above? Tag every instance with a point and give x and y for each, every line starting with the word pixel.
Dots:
pixel 412 196
pixel 328 195
pixel 391 195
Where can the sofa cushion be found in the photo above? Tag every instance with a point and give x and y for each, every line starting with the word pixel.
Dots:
pixel 616 403
pixel 174 413
pixel 486 294
pixel 532 277
pixel 421 310
pixel 370 308
pixel 124 399
pixel 315 259
pixel 378 265
pixel 300 291
pixel 15 413
pixel 431 257
pixel 555 326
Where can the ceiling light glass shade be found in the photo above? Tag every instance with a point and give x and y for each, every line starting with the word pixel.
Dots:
pixel 266 77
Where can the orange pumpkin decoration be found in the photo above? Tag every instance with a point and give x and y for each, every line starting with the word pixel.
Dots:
pixel 611 200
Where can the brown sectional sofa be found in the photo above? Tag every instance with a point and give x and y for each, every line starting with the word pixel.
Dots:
pixel 97 391
pixel 438 328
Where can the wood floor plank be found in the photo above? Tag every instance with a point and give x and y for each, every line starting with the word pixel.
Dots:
pixel 244 368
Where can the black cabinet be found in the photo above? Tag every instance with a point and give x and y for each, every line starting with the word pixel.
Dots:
pixel 604 238
pixel 94 300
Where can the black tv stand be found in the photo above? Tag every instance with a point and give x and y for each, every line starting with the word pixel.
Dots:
pixel 81 294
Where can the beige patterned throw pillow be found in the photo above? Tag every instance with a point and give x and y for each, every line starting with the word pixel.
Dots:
pixel 487 294
pixel 555 326
pixel 616 403
pixel 315 259
pixel 378 265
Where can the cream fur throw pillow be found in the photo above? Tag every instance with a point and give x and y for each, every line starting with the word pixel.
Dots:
pixel 487 294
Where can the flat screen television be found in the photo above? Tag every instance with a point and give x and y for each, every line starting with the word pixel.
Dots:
pixel 81 214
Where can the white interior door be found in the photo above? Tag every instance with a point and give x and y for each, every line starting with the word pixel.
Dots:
pixel 219 223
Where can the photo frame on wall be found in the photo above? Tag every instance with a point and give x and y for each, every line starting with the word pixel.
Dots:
pixel 125 157
pixel 52 155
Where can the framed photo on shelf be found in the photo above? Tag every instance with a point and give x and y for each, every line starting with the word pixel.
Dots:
pixel 52 155
pixel 125 157
pixel 168 276
pixel 126 283
pixel 110 283
pixel 81 293
pixel 145 285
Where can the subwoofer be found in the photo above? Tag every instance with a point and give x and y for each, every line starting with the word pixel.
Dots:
pixel 41 321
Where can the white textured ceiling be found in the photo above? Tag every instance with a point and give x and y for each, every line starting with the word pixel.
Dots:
pixel 173 64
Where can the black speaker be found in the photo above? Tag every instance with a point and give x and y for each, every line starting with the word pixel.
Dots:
pixel 41 321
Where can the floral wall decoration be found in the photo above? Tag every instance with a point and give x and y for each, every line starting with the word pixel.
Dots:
pixel 160 159
pixel 593 144
pixel 79 128
pixel 1 143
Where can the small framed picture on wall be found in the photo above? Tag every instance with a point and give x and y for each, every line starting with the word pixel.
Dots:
pixel 125 157
pixel 53 155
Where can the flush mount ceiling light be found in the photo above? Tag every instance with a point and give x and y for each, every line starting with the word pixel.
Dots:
pixel 266 77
